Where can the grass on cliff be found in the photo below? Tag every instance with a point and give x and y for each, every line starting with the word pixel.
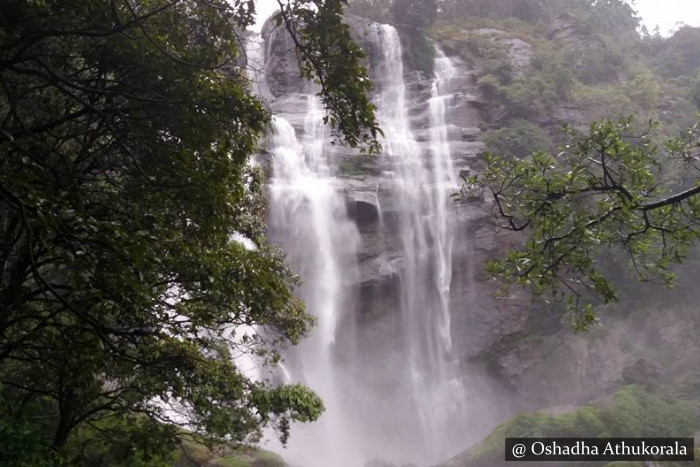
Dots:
pixel 633 411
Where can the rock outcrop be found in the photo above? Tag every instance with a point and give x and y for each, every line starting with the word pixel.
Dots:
pixel 519 52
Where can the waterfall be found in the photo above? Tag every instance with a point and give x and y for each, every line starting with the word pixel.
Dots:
pixel 255 65
pixel 422 177
pixel 308 219
pixel 396 392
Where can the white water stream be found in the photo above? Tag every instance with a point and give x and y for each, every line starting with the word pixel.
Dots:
pixel 309 213
pixel 422 179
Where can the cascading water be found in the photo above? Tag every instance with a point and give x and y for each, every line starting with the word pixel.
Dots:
pixel 308 218
pixel 421 180
pixel 403 398
pixel 255 65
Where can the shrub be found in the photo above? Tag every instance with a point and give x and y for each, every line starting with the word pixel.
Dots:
pixel 519 139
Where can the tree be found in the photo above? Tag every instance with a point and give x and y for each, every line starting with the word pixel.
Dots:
pixel 526 10
pixel 125 132
pixel 610 189
pixel 610 17
pixel 414 14
pixel 375 10
pixel 329 57
pixel 616 18
pixel 677 55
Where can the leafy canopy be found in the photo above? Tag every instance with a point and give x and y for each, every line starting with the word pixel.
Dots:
pixel 125 134
pixel 611 188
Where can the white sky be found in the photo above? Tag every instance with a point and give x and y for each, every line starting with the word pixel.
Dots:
pixel 666 13
pixel 264 9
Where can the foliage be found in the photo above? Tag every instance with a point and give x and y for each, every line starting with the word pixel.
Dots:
pixel 643 89
pixel 378 11
pixel 116 441
pixel 419 52
pixel 614 18
pixel 525 10
pixel 525 94
pixel 578 48
pixel 587 69
pixel 119 442
pixel 633 412
pixel 414 14
pixel 610 17
pixel 124 143
pixel 527 91
pixel 679 54
pixel 694 92
pixel 597 59
pixel 21 442
pixel 477 49
pixel 609 188
pixel 605 100
pixel 518 139
pixel 330 57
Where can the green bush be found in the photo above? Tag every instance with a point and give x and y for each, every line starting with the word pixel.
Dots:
pixel 523 92
pixel 694 91
pixel 530 95
pixel 123 441
pixel 607 101
pixel 419 52
pixel 679 55
pixel 414 14
pixel 374 10
pixel 643 89
pixel 598 59
pixel 518 139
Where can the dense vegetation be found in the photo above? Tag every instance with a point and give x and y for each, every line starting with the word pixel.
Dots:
pixel 126 303
pixel 574 69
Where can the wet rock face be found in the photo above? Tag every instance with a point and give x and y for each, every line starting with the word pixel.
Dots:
pixel 283 75
pixel 364 212
pixel 643 371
